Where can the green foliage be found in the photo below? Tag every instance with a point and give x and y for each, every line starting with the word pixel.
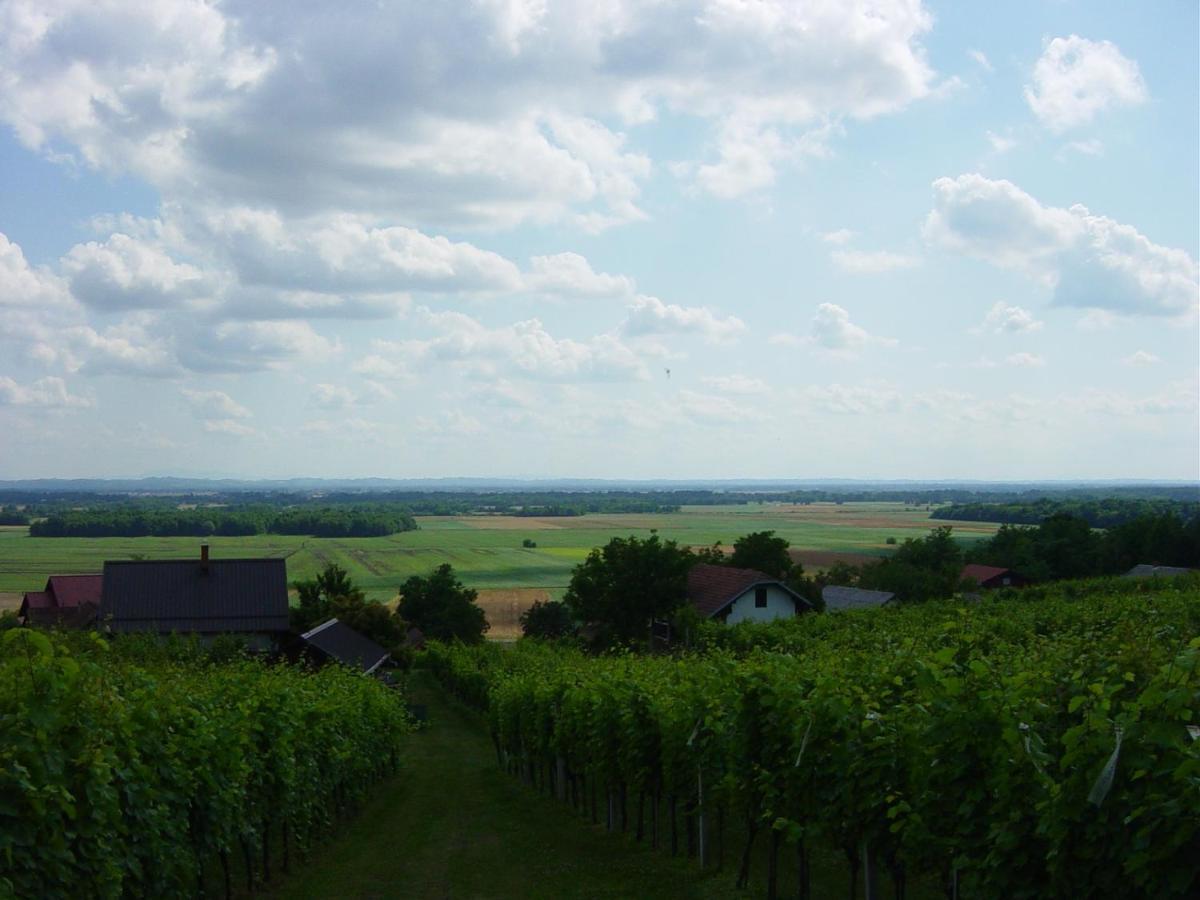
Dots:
pixel 547 619
pixel 629 582
pixel 529 543
pixel 442 607
pixel 333 595
pixel 126 776
pixel 921 568
pixel 1097 511
pixel 976 738
pixel 763 551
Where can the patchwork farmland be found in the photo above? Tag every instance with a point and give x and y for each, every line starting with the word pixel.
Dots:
pixel 486 551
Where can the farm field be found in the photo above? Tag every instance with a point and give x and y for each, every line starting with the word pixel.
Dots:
pixel 486 551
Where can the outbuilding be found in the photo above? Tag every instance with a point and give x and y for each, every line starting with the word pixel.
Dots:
pixel 988 577
pixel 69 601
pixel 338 642
pixel 839 598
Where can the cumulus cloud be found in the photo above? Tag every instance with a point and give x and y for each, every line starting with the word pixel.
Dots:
pixel 230 427
pixel 333 396
pixel 838 237
pixel 571 275
pixel 498 119
pixel 735 384
pixel 832 330
pixel 251 346
pixel 872 262
pixel 44 393
pixel 981 60
pixel 524 349
pixel 649 315
pixel 1076 79
pixel 1005 319
pixel 1088 260
pixel 1000 143
pixel 26 286
pixel 1025 360
pixel 125 273
pixel 214 405
pixel 854 399
pixel 1140 358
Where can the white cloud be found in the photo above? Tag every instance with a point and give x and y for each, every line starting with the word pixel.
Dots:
pixel 44 393
pixel 1005 319
pixel 524 349
pixel 231 427
pixel 1089 260
pixel 125 273
pixel 838 237
pixel 981 60
pixel 250 346
pixel 649 315
pixel 1140 358
pixel 872 262
pixel 1000 143
pixel 833 330
pixel 735 384
pixel 133 347
pixel 1025 360
pixel 26 286
pixel 214 405
pixel 1075 79
pixel 854 399
pixel 1091 147
pixel 1178 397
pixel 333 396
pixel 452 423
pixel 358 427
pixel 571 275
pixel 709 409
pixel 494 116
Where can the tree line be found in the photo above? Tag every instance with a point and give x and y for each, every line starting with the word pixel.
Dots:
pixel 372 520
pixel 1098 512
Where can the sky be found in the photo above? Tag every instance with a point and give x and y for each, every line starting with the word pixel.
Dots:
pixel 526 238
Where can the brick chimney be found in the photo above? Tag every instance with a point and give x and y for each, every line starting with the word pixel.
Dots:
pixel 204 559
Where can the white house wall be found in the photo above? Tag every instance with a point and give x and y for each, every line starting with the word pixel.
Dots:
pixel 780 605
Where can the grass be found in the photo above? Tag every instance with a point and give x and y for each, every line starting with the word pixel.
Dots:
pixel 486 551
pixel 452 825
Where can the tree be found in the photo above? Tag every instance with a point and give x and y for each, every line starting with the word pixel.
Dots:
pixel 763 551
pixel 442 607
pixel 547 619
pixel 318 595
pixel 627 583
pixel 920 569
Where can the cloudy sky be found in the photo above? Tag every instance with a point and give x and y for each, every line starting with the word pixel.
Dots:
pixel 691 238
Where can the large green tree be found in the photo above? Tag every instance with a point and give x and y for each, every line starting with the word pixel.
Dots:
pixel 629 582
pixel 333 595
pixel 763 551
pixel 442 607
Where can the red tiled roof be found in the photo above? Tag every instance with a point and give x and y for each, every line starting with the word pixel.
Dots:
pixel 74 591
pixel 979 574
pixel 710 587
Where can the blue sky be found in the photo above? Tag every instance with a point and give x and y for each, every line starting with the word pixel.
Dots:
pixel 537 239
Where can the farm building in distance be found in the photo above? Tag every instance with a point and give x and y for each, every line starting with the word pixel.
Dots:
pixel 69 601
pixel 987 577
pixel 841 598
pixel 338 642
pixel 741 595
pixel 197 596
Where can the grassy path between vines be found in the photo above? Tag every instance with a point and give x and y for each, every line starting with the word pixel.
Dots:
pixel 452 825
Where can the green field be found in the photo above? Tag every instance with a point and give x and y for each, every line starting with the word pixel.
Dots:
pixel 486 551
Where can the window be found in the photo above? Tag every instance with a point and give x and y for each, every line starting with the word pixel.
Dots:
pixel 760 598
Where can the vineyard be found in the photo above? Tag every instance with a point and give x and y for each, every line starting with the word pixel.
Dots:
pixel 145 773
pixel 1019 747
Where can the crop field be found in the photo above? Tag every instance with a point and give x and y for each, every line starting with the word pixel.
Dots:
pixel 486 551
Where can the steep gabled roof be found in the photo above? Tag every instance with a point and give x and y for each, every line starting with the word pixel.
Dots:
pixel 1145 570
pixel 339 641
pixel 712 588
pixel 73 591
pixel 838 598
pixel 188 595
pixel 980 574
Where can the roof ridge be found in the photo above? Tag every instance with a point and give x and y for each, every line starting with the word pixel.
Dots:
pixel 318 629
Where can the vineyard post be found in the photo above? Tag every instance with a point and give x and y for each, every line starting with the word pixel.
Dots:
pixel 700 810
pixel 870 882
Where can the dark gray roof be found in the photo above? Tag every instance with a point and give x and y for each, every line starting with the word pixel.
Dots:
pixel 341 642
pixel 1148 571
pixel 837 598
pixel 187 595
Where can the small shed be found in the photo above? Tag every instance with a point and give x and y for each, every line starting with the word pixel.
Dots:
pixel 69 601
pixel 992 576
pixel 838 598
pixel 741 595
pixel 337 641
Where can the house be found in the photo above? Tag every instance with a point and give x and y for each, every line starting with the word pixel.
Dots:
pixel 197 596
pixel 338 642
pixel 992 576
pixel 1144 570
pixel 838 598
pixel 70 601
pixel 741 595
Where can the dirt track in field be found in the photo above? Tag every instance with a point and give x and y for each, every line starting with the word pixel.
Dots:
pixel 9 601
pixel 503 608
